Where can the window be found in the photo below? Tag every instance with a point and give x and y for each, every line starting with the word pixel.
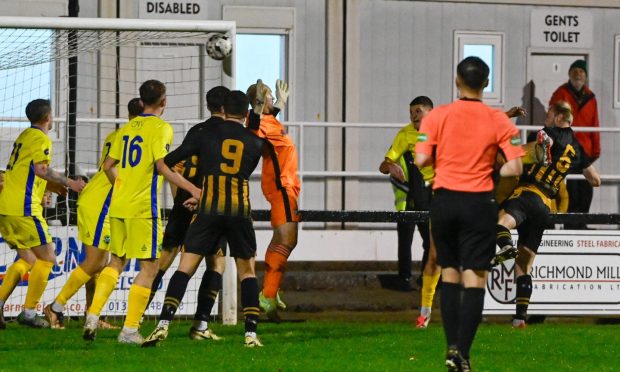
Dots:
pixel 488 46
pixel 260 56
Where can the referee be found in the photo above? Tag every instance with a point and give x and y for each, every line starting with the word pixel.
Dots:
pixel 462 140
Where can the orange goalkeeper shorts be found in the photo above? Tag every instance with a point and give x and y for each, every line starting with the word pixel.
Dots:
pixel 283 207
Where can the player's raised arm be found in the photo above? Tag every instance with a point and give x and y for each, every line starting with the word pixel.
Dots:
pixel 109 168
pixel 165 167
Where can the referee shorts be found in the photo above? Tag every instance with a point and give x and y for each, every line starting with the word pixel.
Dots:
pixel 24 232
pixel 464 229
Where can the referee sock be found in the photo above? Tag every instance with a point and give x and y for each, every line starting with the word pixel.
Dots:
pixel 524 293
pixel 275 264
pixel 76 280
pixel 12 277
pixel 450 310
pixel 136 304
pixel 429 283
pixel 504 237
pixel 37 282
pixel 249 301
pixel 174 295
pixel 471 316
pixel 207 293
pixel 155 286
pixel 104 288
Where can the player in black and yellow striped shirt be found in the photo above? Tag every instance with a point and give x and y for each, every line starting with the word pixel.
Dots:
pixel 228 154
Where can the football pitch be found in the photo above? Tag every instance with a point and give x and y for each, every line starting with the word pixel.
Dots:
pixel 317 345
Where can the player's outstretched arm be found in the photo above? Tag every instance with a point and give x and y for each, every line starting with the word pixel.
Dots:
pixel 173 177
pixel 44 171
pixel 592 176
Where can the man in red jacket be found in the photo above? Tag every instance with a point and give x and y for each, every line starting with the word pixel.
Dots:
pixel 585 114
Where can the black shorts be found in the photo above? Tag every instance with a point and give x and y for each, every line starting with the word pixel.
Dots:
pixel 206 231
pixel 178 223
pixel 532 216
pixel 176 228
pixel 464 228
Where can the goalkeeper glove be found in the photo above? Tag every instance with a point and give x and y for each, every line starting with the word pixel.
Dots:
pixel 281 94
pixel 261 96
pixel 543 148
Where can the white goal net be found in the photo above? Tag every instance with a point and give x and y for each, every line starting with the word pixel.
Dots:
pixel 90 69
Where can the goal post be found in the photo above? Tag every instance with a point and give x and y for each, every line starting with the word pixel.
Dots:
pixel 111 58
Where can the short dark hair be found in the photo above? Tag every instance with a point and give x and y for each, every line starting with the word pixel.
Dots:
pixel 215 98
pixel 38 110
pixel 135 107
pixel 473 72
pixel 236 103
pixel 152 92
pixel 422 100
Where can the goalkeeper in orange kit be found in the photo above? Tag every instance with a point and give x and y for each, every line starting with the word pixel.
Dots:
pixel 280 185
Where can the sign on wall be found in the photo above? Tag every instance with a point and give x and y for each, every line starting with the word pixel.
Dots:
pixel 561 28
pixel 173 9
pixel 574 273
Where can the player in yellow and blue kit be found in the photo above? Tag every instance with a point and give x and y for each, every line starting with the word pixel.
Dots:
pixel 135 166
pixel 21 215
pixel 93 232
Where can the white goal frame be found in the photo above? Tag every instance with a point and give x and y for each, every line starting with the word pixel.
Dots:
pixel 229 291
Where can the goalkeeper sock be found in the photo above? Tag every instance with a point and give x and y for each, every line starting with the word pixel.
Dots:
pixel 37 282
pixel 504 237
pixel 76 280
pixel 249 302
pixel 209 287
pixel 471 315
pixel 275 264
pixel 12 277
pixel 137 299
pixel 524 293
pixel 429 283
pixel 450 310
pixel 174 295
pixel 104 288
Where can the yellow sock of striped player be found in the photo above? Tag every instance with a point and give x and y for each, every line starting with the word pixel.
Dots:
pixel 429 283
pixel 37 281
pixel 12 277
pixel 104 288
pixel 137 299
pixel 76 280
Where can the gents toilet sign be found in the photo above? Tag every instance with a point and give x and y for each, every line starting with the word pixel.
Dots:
pixel 173 9
pixel 564 28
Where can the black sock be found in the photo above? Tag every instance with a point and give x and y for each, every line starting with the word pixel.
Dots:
pixel 155 286
pixel 249 301
pixel 524 293
pixel 209 287
pixel 450 308
pixel 174 295
pixel 471 315
pixel 504 237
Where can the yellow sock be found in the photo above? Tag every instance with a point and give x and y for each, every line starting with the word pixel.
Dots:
pixel 76 280
pixel 429 282
pixel 104 288
pixel 13 275
pixel 138 299
pixel 37 282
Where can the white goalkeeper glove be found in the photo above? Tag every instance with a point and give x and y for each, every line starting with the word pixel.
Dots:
pixel 281 94
pixel 543 148
pixel 261 94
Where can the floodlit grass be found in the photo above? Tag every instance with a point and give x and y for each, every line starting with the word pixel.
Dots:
pixel 317 346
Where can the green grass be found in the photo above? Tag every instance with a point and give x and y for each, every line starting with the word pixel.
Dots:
pixel 318 346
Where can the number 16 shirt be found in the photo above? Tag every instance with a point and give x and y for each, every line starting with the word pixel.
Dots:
pixel 138 145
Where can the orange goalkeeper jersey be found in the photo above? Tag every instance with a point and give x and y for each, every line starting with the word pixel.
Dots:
pixel 280 166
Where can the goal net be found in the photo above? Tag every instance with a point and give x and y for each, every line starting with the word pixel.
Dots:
pixel 90 69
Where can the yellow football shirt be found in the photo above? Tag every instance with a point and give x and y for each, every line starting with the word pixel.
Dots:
pixel 96 191
pixel 23 190
pixel 137 146
pixel 405 140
